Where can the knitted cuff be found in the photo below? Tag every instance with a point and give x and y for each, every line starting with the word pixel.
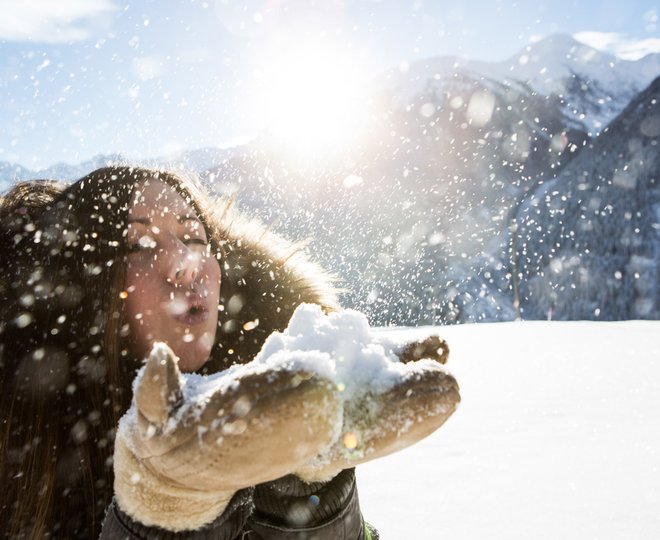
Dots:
pixel 293 502
pixel 227 526
pixel 153 500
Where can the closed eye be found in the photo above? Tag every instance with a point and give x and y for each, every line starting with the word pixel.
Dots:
pixel 195 241
pixel 146 246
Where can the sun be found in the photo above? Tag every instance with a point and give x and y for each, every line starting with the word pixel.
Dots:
pixel 311 99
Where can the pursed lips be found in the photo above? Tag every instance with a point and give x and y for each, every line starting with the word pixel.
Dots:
pixel 190 310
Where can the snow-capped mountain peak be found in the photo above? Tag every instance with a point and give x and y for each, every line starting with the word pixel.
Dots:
pixel 556 57
pixel 594 85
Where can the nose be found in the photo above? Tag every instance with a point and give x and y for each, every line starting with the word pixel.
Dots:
pixel 182 265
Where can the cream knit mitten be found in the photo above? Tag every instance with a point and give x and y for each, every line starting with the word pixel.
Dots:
pixel 189 442
pixel 377 424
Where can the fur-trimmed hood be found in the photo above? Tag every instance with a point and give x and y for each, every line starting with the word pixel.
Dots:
pixel 264 279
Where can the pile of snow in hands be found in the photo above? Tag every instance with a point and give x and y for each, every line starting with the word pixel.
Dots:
pixel 339 347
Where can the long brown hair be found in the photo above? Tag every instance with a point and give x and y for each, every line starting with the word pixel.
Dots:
pixel 65 371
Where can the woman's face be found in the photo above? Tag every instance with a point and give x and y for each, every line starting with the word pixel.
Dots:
pixel 172 278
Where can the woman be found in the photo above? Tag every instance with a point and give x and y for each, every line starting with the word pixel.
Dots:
pixel 93 274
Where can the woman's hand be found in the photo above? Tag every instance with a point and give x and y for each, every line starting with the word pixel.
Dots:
pixel 377 424
pixel 188 443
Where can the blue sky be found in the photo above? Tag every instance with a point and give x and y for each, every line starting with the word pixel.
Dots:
pixel 146 78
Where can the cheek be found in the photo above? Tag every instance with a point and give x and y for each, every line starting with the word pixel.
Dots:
pixel 142 289
pixel 141 274
pixel 137 304
pixel 138 269
pixel 211 272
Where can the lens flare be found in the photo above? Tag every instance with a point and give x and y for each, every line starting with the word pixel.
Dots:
pixel 350 440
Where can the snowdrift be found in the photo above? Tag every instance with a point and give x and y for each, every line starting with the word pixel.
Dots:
pixel 557 436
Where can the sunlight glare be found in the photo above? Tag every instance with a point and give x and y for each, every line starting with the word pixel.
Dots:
pixel 311 99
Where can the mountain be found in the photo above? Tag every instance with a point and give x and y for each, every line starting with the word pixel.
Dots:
pixel 593 86
pixel 9 172
pixel 198 160
pixel 423 201
pixel 427 204
pixel 68 172
pixel 588 241
pixel 416 219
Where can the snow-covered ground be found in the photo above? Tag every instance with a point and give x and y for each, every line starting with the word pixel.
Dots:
pixel 557 436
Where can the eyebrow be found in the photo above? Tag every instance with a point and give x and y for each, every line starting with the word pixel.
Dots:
pixel 181 219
